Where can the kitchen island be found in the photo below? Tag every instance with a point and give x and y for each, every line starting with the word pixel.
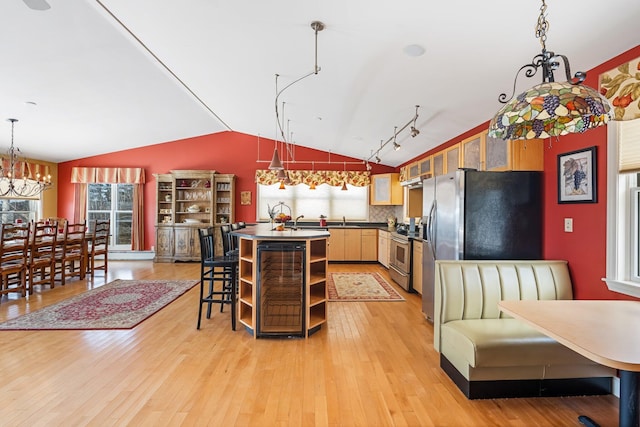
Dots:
pixel 282 280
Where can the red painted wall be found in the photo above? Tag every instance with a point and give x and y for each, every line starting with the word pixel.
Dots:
pixel 225 152
pixel 585 248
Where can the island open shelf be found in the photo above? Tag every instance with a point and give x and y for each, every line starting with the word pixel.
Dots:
pixel 314 280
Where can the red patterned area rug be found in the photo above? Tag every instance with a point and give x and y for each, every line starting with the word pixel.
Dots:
pixel 121 304
pixel 360 287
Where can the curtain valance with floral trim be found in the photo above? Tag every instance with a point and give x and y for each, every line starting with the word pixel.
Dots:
pixel 88 175
pixel 333 178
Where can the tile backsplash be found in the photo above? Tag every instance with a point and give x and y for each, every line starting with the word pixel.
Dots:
pixel 382 213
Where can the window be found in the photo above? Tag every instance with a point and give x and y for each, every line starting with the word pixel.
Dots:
pixel 325 200
pixel 115 203
pixel 623 207
pixel 24 210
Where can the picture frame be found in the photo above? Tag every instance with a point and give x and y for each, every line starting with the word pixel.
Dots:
pixel 245 197
pixel 577 180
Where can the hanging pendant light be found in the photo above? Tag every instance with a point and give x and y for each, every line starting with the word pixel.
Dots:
pixel 15 178
pixel 550 108
pixel 275 164
pixel 344 181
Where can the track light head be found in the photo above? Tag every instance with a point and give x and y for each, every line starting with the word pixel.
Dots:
pixel 414 132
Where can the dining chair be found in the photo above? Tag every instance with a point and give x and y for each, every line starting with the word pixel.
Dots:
pixel 14 244
pixel 71 252
pixel 41 265
pixel 98 245
pixel 217 277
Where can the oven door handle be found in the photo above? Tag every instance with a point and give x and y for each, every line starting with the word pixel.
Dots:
pixel 402 242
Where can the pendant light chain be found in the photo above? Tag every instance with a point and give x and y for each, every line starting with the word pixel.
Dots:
pixel 542 26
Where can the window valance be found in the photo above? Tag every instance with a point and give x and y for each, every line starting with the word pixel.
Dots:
pixel 24 169
pixel 333 178
pixel 91 175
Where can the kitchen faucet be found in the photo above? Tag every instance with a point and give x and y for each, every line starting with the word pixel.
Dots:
pixel 295 223
pixel 344 221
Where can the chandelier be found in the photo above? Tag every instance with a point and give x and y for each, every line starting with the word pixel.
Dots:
pixel 16 177
pixel 550 108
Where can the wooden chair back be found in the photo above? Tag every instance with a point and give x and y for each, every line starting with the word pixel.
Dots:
pixel 41 266
pixel 98 245
pixel 71 251
pixel 14 246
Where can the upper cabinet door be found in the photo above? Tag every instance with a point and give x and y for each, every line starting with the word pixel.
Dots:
pixel 473 152
pixel 386 189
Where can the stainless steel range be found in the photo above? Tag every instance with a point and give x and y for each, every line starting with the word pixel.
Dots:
pixel 400 261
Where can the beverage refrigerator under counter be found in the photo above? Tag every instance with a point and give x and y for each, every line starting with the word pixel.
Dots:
pixel 281 289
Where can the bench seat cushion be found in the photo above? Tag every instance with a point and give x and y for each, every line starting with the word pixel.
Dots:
pixel 503 342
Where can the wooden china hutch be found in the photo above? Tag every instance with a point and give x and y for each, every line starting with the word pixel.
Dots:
pixel 187 200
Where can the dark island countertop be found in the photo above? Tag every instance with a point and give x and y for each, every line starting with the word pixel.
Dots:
pixel 265 231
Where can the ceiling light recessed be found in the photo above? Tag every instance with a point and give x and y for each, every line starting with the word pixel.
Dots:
pixel 413 50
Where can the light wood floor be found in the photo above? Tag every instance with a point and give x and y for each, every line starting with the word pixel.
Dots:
pixel 372 364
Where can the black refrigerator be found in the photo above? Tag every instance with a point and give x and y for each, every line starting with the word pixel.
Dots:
pixel 479 215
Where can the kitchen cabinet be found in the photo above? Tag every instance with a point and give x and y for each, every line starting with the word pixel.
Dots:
pixel 353 244
pixel 414 170
pixel 416 272
pixel 414 202
pixel 185 201
pixel 473 152
pixel 383 247
pixel 336 244
pixel 386 189
pixel 452 158
pixel 504 155
pixel 369 245
pixel 438 164
pixel 425 167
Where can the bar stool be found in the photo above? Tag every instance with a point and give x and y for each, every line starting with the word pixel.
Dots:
pixel 214 269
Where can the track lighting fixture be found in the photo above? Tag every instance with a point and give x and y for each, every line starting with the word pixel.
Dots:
pixel 414 130
pixel 396 146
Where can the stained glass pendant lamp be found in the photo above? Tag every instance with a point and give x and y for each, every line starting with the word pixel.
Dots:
pixel 550 108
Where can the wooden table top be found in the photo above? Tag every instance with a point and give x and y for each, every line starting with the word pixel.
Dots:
pixel 606 332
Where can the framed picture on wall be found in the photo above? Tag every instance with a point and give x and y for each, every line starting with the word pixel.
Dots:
pixel 577 176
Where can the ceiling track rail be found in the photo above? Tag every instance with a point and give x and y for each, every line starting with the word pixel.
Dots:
pixel 178 79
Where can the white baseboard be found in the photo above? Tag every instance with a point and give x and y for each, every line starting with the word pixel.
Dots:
pixel 131 255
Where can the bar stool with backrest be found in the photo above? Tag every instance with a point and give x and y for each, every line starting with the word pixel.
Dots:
pixel 71 251
pixel 229 242
pixel 14 245
pixel 41 267
pixel 98 245
pixel 217 277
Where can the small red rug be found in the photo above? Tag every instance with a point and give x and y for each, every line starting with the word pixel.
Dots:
pixel 360 287
pixel 121 304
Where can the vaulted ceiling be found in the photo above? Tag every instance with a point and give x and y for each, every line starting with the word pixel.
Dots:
pixel 86 77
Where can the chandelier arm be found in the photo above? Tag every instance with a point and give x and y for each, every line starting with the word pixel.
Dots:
pixel 530 70
pixel 578 77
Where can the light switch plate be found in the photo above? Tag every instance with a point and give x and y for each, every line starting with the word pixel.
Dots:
pixel 568 225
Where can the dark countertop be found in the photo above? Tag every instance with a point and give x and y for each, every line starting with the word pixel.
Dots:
pixel 265 231
pixel 315 225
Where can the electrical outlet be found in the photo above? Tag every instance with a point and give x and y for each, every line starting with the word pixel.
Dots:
pixel 568 225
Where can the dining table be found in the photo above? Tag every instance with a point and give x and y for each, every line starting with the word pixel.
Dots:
pixel 604 331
